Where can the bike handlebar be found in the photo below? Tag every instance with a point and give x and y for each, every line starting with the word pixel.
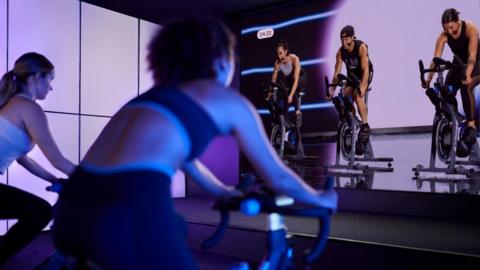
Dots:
pixel 57 186
pixel 342 81
pixel 440 65
pixel 272 85
pixel 265 202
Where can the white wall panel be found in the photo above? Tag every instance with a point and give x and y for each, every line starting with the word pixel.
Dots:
pixel 109 72
pixel 90 129
pixel 49 27
pixel 147 31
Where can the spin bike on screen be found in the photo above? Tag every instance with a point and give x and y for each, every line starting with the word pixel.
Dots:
pixel 448 127
pixel 348 145
pixel 285 135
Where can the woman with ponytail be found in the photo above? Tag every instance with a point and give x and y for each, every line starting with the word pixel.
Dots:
pixel 23 124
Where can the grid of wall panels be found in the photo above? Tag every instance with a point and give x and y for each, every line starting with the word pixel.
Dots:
pixel 49 27
pixel 109 57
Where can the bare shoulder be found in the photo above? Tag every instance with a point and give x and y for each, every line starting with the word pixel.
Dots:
pixel 471 28
pixel 25 107
pixel 234 109
pixel 442 37
pixel 222 104
pixel 294 58
pixel 339 53
pixel 363 49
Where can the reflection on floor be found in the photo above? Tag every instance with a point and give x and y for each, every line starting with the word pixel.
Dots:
pixel 408 150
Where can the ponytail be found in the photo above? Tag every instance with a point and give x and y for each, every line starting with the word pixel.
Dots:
pixel 8 87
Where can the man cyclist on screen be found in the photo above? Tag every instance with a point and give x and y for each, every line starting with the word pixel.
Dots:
pixel 354 53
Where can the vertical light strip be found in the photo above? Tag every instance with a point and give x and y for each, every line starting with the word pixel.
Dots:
pixel 8 25
pixel 138 58
pixel 80 81
pixel 6 62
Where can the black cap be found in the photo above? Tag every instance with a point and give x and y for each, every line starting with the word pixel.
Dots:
pixel 347 31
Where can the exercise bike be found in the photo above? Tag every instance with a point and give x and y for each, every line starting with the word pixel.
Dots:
pixel 280 251
pixel 285 135
pixel 347 133
pixel 448 127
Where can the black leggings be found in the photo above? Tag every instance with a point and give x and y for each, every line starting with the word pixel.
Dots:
pixel 454 79
pixel 32 213
pixel 121 221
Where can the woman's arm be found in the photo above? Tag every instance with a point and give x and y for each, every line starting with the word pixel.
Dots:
pixel 276 66
pixel 207 180
pixel 439 46
pixel 36 169
pixel 36 124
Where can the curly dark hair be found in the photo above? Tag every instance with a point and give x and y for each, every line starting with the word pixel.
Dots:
pixel 186 50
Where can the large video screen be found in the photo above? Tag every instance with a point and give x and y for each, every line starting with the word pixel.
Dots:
pixel 398 35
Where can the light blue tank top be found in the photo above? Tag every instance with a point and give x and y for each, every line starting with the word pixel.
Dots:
pixel 14 143
pixel 286 68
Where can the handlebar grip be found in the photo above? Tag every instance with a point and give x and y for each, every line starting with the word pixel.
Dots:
pixel 327 85
pixel 56 187
pixel 422 72
pixel 322 237
pixel 329 183
pixel 218 234
pixel 245 182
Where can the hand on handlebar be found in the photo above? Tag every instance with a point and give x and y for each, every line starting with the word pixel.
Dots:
pixel 467 81
pixel 232 192
pixel 426 85
pixel 290 99
pixel 56 185
pixel 329 200
pixel 329 94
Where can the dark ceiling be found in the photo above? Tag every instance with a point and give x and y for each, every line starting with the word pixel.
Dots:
pixel 162 11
